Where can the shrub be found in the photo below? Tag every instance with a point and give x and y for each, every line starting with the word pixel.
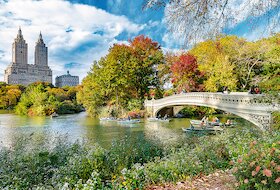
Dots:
pixel 259 168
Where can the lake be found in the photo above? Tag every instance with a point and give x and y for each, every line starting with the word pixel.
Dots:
pixel 80 127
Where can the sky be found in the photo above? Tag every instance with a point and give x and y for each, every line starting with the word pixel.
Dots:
pixel 77 32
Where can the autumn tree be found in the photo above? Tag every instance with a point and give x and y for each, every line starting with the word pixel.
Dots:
pixel 92 94
pixel 185 74
pixel 9 95
pixel 163 69
pixel 146 55
pixel 123 75
pixel 269 78
pixel 215 61
pixel 249 61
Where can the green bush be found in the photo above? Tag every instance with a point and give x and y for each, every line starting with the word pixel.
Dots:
pixel 40 99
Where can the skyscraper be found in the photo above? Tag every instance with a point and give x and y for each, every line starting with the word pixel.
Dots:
pixel 19 71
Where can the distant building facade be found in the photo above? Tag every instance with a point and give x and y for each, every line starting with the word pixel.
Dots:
pixel 19 71
pixel 66 80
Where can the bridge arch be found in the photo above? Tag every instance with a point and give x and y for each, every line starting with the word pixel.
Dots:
pixel 244 116
pixel 244 105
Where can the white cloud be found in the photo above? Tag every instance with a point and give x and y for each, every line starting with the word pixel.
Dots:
pixel 54 17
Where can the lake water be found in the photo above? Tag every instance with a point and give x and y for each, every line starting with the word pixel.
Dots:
pixel 81 127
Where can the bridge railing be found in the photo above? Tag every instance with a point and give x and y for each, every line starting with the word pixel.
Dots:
pixel 232 98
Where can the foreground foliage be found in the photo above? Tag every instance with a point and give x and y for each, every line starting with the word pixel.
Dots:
pixel 259 167
pixel 136 163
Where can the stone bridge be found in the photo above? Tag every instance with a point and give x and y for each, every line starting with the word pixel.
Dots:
pixel 247 106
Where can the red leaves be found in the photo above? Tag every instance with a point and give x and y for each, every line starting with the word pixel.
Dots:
pixel 185 74
pixel 187 63
pixel 144 43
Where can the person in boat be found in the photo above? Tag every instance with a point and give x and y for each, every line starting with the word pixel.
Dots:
pixel 54 114
pixel 202 124
pixel 203 119
pixel 215 120
pixel 207 121
pixel 228 122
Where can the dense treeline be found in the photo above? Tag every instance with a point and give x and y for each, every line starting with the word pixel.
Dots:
pixel 130 72
pixel 39 99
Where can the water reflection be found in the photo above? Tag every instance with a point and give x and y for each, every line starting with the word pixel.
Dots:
pixel 161 132
pixel 81 127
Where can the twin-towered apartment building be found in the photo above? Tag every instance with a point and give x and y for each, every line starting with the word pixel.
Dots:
pixel 20 72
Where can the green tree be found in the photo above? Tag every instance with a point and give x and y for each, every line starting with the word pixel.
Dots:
pixel 123 74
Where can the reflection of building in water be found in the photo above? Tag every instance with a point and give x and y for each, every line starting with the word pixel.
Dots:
pixel 19 71
pixel 159 131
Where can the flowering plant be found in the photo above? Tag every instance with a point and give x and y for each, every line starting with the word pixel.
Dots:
pixel 260 167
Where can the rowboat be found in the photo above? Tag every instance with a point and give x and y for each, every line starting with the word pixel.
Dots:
pixel 129 121
pixel 107 119
pixel 211 130
pixel 154 119
pixel 199 122
pixel 232 124
pixel 53 115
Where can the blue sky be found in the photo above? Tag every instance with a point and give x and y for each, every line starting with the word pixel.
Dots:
pixel 77 32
